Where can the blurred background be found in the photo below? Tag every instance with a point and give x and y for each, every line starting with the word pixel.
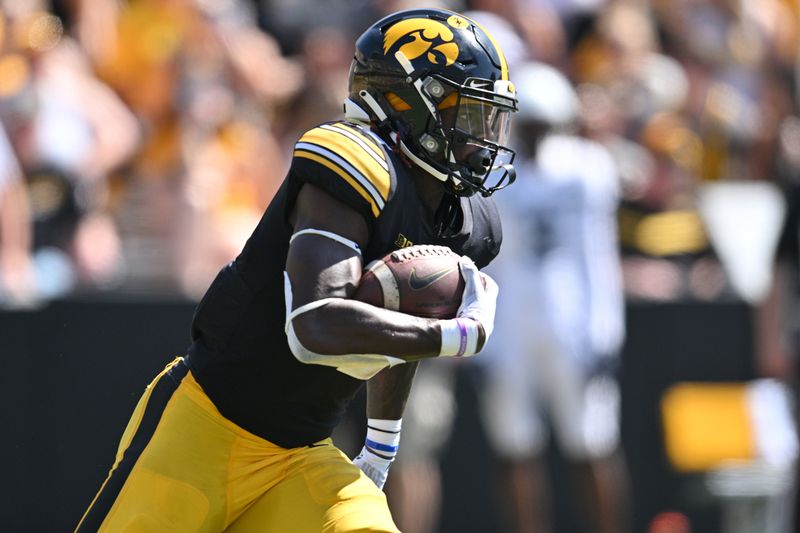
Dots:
pixel 140 141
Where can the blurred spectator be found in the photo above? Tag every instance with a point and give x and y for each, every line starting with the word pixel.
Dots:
pixel 634 99
pixel 69 132
pixel 781 314
pixel 200 78
pixel 326 57
pixel 17 285
pixel 667 253
pixel 576 16
pixel 233 159
pixel 514 47
pixel 291 21
pixel 698 208
pixel 544 27
pixel 560 324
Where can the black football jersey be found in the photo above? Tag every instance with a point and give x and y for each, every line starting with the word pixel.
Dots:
pixel 240 354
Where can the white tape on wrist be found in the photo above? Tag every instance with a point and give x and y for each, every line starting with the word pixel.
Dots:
pixel 383 437
pixel 459 337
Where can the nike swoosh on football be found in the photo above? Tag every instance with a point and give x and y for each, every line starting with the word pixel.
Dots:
pixel 418 283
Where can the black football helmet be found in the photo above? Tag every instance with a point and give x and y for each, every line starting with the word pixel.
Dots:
pixel 437 84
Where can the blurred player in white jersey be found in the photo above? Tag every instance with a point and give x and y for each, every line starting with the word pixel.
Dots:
pixel 560 320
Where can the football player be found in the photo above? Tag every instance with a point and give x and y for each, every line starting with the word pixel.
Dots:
pixel 236 435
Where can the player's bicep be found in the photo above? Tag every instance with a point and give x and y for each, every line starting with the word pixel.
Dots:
pixel 324 259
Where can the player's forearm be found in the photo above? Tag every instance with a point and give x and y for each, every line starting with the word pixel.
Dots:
pixel 350 327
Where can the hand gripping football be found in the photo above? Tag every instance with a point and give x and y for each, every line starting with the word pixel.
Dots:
pixel 421 280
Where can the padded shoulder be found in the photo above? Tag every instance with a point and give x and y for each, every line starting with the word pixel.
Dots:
pixel 348 158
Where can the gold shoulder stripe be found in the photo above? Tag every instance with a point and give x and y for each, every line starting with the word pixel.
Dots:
pixel 376 210
pixel 362 140
pixel 336 159
pixel 364 135
pixel 349 149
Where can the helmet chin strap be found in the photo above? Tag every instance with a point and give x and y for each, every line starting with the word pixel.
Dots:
pixel 441 176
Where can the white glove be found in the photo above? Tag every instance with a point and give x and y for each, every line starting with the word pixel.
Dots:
pixel 376 468
pixel 380 449
pixel 478 302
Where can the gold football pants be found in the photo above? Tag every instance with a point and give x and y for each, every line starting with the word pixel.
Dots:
pixel 181 466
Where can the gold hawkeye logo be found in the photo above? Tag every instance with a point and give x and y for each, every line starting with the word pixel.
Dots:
pixel 428 37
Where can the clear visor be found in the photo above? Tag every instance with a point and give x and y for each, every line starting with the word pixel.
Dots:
pixel 482 120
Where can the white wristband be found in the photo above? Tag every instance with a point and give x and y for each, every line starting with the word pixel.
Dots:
pixel 383 437
pixel 459 337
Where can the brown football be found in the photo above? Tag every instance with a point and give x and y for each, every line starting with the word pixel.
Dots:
pixel 421 280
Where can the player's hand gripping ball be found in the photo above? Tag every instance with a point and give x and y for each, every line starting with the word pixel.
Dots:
pixel 421 280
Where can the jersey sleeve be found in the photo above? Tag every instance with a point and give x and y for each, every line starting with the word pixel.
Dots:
pixel 347 163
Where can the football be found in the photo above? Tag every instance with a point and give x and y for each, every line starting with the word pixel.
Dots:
pixel 421 280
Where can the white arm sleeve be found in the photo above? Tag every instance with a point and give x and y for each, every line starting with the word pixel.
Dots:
pixel 330 235
pixel 359 366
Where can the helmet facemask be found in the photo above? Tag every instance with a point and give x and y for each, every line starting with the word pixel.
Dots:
pixel 459 135
pixel 475 120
